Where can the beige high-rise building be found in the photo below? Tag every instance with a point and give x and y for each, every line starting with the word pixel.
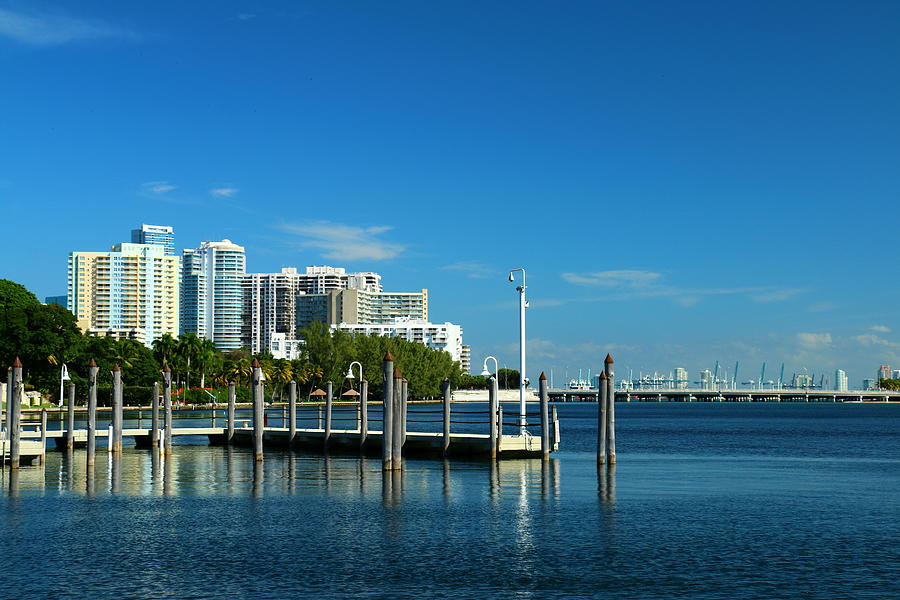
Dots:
pixel 129 292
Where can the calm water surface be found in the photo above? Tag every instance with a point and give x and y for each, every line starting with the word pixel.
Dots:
pixel 707 501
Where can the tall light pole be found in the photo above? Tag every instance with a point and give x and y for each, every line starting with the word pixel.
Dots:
pixel 486 373
pixel 523 381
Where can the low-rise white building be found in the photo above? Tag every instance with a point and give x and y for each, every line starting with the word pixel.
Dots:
pixel 440 336
pixel 282 347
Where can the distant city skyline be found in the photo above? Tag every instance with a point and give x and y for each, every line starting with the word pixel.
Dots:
pixel 684 185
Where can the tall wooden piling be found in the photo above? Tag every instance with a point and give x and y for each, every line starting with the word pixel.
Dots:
pixel 232 399
pixel 258 410
pixel 292 412
pixel 43 434
pixel 445 390
pixel 610 409
pixel 397 435
pixel 404 407
pixel 14 415
pixel 387 413
pixel 329 400
pixel 115 444
pixel 167 409
pixel 602 418
pixel 492 415
pixel 70 418
pixel 545 416
pixel 154 416
pixel 93 369
pixel 363 413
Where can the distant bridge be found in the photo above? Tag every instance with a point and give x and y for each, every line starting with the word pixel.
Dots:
pixel 679 395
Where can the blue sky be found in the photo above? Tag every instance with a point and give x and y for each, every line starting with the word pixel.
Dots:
pixel 685 182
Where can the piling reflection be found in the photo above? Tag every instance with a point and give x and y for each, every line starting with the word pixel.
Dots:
pixel 259 477
pixel 115 474
pixel 606 484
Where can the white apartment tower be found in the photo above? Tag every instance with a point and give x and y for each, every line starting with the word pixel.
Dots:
pixel 841 383
pixel 270 307
pixel 160 235
pixel 129 292
pixel 211 294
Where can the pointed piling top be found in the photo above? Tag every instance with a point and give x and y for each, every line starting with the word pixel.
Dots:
pixel 165 367
pixel 17 364
pixel 397 374
pixel 608 359
pixel 255 363
pixel 603 376
pixel 542 377
pixel 388 356
pixel 92 363
pixel 446 379
pixel 116 368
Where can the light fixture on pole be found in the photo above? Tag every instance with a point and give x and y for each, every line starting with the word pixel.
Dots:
pixel 486 373
pixel 63 376
pixel 523 381
pixel 350 370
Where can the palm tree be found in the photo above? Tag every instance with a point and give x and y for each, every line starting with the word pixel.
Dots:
pixel 207 356
pixel 188 348
pixel 164 348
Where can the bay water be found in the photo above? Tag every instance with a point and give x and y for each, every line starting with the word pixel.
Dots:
pixel 706 501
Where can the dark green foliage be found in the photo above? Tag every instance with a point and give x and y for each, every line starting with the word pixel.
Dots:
pixel 889 384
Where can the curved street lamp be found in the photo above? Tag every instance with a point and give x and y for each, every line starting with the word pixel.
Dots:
pixel 350 370
pixel 486 373
pixel 523 381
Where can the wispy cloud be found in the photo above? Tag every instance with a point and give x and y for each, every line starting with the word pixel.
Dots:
pixel 472 269
pixel 624 277
pixel 870 339
pixel 345 242
pixel 822 307
pixel 880 328
pixel 245 16
pixel 633 283
pixel 224 192
pixel 814 341
pixel 157 187
pixel 55 29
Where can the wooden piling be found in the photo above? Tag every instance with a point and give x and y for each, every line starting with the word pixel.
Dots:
pixel 154 416
pixel 232 399
pixel 43 434
pixel 397 435
pixel 545 417
pixel 14 415
pixel 115 444
pixel 329 400
pixel 292 412
pixel 610 410
pixel 387 412
pixel 167 410
pixel 445 389
pixel 258 410
pixel 93 369
pixel 363 413
pixel 602 418
pixel 404 407
pixel 70 418
pixel 492 415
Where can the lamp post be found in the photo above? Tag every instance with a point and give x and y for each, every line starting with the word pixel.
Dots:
pixel 523 381
pixel 63 376
pixel 350 370
pixel 486 373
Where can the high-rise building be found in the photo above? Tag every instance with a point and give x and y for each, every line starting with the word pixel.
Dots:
pixel 361 307
pixel 320 280
pixel 706 380
pixel 160 235
pixel 465 360
pixel 802 381
pixel 129 292
pixel 441 336
pixel 61 300
pixel 270 307
pixel 884 372
pixel 680 378
pixel 211 294
pixel 841 383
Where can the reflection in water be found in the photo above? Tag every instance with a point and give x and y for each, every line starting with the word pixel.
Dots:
pixel 115 473
pixel 606 484
pixel 259 476
pixel 445 472
pixel 168 474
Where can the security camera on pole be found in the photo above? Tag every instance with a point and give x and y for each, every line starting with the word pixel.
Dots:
pixel 523 381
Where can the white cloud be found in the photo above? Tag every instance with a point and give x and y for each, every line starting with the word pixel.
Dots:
pixel 814 341
pixel 225 192
pixel 822 307
pixel 345 242
pixel 870 339
pixel 880 328
pixel 53 30
pixel 619 278
pixel 472 269
pixel 157 187
pixel 775 295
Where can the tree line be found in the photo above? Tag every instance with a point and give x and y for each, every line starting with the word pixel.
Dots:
pixel 45 337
